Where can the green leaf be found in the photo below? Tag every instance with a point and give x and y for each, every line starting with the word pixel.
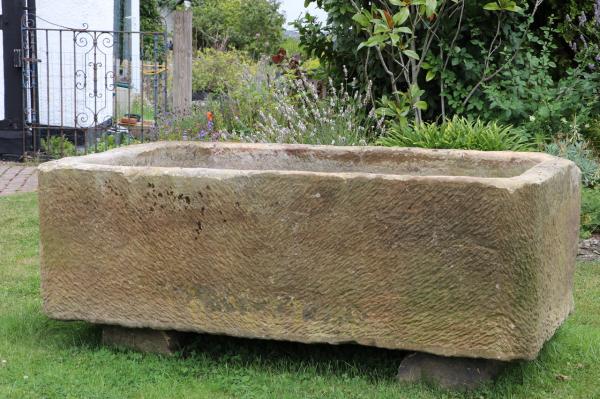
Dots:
pixel 430 6
pixel 412 54
pixel 373 41
pixel 430 76
pixel 492 7
pixel 422 105
pixel 514 8
pixel 381 27
pixel 362 19
pixel 398 2
pixel 401 16
pixel 403 29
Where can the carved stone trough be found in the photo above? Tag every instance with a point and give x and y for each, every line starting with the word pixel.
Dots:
pixel 454 253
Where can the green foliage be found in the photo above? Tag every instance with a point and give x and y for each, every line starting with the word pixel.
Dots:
pixel 216 71
pixel 58 147
pixel 567 14
pixel 527 94
pixel 578 152
pixel 489 60
pixel 252 26
pixel 303 115
pixel 335 42
pixel 292 46
pixel 590 212
pixel 151 21
pixel 172 127
pixel 457 133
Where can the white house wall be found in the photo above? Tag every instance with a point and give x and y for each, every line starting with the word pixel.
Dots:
pixel 66 82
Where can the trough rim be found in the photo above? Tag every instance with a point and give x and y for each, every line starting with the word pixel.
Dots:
pixel 545 168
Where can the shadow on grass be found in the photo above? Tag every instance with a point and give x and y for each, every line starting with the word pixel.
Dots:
pixel 341 361
pixel 345 360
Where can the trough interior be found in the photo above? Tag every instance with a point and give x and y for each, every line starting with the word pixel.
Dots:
pixel 326 160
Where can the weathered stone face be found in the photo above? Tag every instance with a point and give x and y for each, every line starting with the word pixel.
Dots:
pixel 455 253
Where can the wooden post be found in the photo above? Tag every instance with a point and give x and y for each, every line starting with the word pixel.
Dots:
pixel 182 62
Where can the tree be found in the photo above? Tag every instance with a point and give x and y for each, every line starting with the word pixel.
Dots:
pixel 409 49
pixel 150 20
pixel 254 26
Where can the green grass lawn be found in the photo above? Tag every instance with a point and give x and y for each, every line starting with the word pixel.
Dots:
pixel 41 358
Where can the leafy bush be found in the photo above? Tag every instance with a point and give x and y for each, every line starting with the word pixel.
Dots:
pixel 303 115
pixel 292 46
pixel 252 26
pixel 196 125
pixel 578 152
pixel 590 212
pixel 457 133
pixel 505 61
pixel 219 72
pixel 58 147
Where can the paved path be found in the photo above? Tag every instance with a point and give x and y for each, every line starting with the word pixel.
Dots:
pixel 15 178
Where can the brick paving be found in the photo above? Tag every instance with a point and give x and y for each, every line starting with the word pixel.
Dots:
pixel 16 178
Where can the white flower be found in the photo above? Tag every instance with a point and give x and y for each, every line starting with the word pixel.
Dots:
pixel 532 118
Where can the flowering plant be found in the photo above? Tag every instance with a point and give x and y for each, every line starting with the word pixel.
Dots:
pixel 307 112
pixel 584 38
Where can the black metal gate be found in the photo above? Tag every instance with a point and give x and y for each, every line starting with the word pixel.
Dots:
pixel 86 90
pixel 13 140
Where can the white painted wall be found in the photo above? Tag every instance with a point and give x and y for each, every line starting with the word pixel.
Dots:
pixel 56 71
pixel 98 15
pixel 56 84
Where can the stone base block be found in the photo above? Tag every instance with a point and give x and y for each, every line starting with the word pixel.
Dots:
pixel 143 339
pixel 449 372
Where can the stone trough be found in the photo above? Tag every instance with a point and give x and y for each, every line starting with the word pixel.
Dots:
pixel 454 253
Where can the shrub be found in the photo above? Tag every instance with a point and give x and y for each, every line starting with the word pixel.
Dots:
pixel 253 26
pixel 197 125
pixel 237 109
pixel 58 147
pixel 219 72
pixel 590 212
pixel 578 152
pixel 303 114
pixel 292 46
pixel 457 133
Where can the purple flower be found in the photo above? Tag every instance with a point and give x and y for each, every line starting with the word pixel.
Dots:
pixel 202 133
pixel 597 12
pixel 592 67
pixel 216 136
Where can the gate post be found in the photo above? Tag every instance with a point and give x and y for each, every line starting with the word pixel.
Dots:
pixel 182 62
pixel 14 141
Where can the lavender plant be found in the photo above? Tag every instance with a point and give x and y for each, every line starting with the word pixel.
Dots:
pixel 307 114
pixel 585 37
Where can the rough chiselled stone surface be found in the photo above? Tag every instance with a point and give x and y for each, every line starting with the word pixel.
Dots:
pixel 454 373
pixel 454 253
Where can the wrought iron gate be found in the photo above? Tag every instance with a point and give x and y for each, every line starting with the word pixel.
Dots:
pixel 88 90
pixel 12 139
